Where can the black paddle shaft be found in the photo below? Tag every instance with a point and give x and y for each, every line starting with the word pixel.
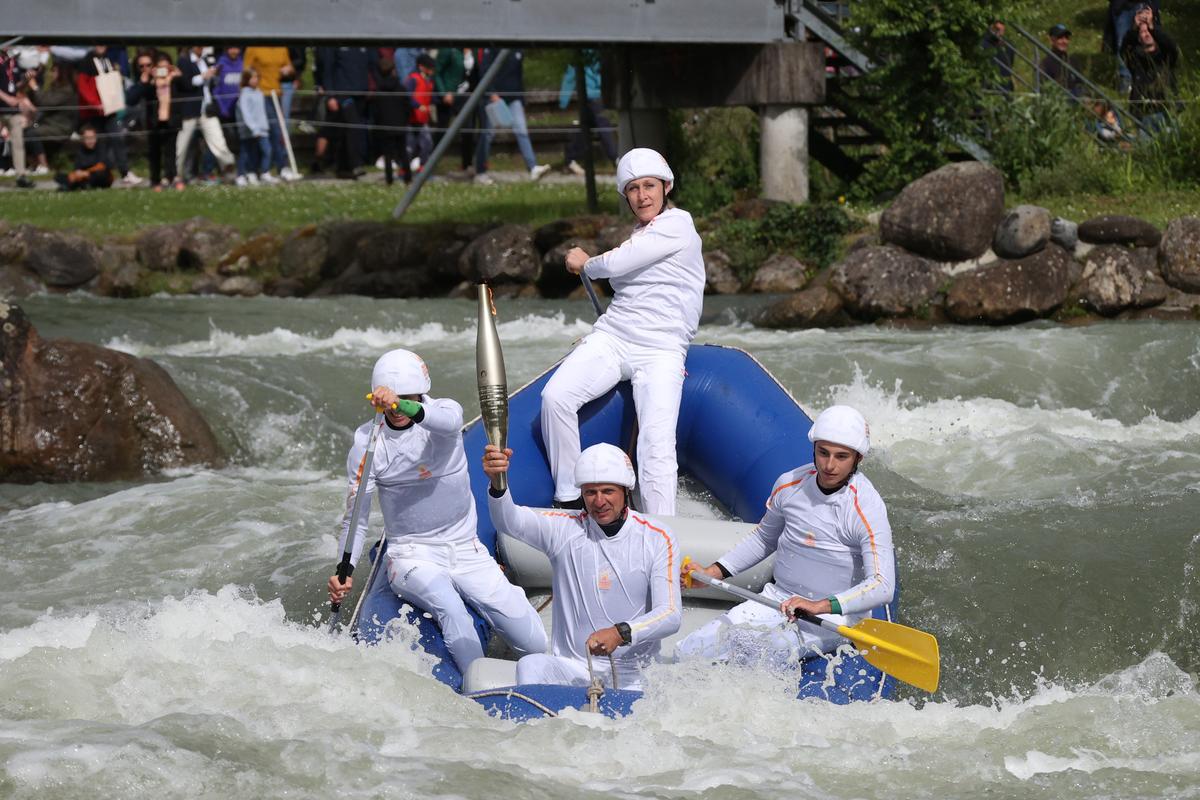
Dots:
pixel 345 568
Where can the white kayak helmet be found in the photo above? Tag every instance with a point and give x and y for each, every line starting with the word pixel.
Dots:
pixel 842 425
pixel 642 162
pixel 402 371
pixel 604 463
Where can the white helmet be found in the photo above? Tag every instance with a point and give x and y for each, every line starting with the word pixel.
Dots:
pixel 642 162
pixel 402 371
pixel 842 425
pixel 604 463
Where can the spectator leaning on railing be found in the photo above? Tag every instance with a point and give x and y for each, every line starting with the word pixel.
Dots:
pixel 1152 57
pixel 13 110
pixel 1061 67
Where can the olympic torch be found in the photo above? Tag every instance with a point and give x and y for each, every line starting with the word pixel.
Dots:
pixel 493 383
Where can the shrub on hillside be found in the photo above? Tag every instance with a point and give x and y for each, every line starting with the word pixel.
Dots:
pixel 714 154
pixel 812 233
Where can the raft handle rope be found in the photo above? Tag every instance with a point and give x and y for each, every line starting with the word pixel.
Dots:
pixel 595 685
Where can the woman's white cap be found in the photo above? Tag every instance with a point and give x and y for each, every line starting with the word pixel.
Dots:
pixel 842 425
pixel 642 162
pixel 402 371
pixel 604 463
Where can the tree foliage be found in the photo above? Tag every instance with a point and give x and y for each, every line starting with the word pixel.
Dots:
pixel 924 90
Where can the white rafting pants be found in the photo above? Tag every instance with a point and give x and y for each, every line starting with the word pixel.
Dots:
pixel 563 671
pixel 440 577
pixel 751 634
pixel 596 365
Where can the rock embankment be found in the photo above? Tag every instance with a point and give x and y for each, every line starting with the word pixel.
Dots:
pixel 948 251
pixel 72 411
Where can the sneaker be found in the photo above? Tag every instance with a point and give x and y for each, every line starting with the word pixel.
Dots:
pixel 131 180
pixel 289 174
pixel 268 179
pixel 415 164
pixel 240 180
pixel 8 173
pixel 252 179
pixel 537 172
pixel 179 185
pixel 158 187
pixel 40 169
pixel 379 163
pixel 23 182
pixel 484 179
pixel 576 168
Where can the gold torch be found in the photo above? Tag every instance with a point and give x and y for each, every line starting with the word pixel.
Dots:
pixel 493 384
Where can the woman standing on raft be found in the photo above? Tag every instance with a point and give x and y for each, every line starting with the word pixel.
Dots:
pixel 657 276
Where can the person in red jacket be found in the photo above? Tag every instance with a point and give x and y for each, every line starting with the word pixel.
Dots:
pixel 419 85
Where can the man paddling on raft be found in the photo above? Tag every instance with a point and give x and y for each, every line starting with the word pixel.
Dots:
pixel 434 557
pixel 614 572
pixel 829 530
pixel 658 280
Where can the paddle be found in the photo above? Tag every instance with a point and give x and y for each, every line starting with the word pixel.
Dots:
pixel 591 292
pixel 364 468
pixel 905 653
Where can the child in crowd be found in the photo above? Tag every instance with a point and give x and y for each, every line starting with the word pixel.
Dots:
pixel 254 158
pixel 90 171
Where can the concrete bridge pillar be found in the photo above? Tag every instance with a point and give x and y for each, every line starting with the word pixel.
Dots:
pixel 783 153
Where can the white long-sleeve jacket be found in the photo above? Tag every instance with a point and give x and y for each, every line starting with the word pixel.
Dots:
pixel 657 276
pixel 599 581
pixel 420 475
pixel 837 545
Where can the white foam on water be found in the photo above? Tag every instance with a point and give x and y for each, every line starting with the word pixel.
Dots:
pixel 534 328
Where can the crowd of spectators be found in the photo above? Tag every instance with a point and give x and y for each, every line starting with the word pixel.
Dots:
pixel 1146 68
pixel 222 115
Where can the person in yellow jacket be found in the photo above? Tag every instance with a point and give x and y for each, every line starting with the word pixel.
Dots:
pixel 274 67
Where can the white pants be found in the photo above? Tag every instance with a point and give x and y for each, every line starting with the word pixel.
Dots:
pixel 596 365
pixel 214 137
pixel 543 668
pixel 439 578
pixel 754 634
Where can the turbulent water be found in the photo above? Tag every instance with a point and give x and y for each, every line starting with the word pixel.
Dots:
pixel 162 639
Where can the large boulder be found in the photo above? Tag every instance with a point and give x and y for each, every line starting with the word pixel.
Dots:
pixel 503 255
pixel 886 282
pixel 71 411
pixel 950 214
pixel 302 256
pixel 1116 278
pixel 63 260
pixel 556 280
pixel 780 273
pixel 818 307
pixel 1064 233
pixel 1023 232
pixel 1179 254
pixel 1011 291
pixel 1119 229
pixel 189 245
pixel 585 228
pixel 719 277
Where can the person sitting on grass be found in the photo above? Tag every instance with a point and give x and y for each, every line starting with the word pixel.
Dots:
pixel 90 171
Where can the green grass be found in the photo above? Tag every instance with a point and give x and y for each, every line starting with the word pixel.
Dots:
pixel 118 212
pixel 1158 208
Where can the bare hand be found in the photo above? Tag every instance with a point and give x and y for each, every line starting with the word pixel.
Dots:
pixel 790 606
pixel 603 642
pixel 337 589
pixel 332 105
pixel 685 582
pixel 447 99
pixel 495 460
pixel 576 260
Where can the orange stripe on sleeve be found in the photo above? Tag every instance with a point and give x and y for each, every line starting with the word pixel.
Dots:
pixel 671 571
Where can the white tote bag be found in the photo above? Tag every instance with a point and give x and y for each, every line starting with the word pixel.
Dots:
pixel 110 85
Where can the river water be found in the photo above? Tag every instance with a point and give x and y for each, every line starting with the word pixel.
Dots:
pixel 162 639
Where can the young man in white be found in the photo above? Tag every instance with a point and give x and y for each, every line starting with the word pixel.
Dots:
pixel 658 279
pixel 614 572
pixel 434 557
pixel 829 530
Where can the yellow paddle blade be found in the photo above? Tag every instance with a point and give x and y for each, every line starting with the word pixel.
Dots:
pixel 905 653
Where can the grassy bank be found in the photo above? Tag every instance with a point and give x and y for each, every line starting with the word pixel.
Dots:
pixel 286 207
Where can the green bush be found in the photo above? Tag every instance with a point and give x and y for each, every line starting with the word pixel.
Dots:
pixel 811 233
pixel 714 153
